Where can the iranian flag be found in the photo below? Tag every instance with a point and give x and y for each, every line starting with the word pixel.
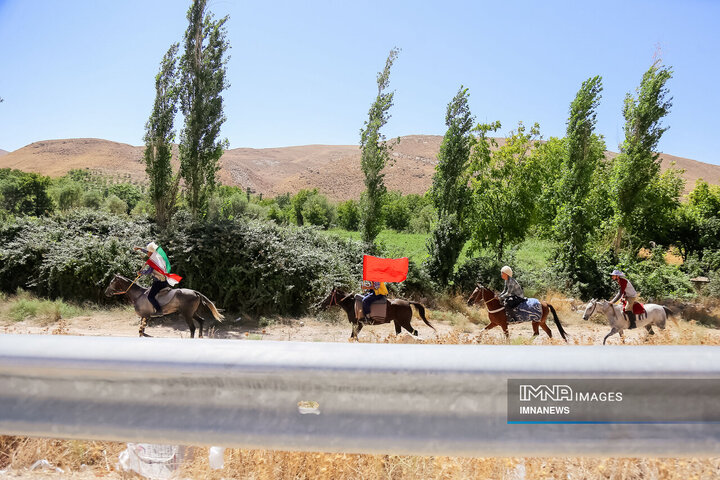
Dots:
pixel 159 262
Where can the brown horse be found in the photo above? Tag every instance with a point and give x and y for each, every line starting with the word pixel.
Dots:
pixel 496 313
pixel 188 303
pixel 399 311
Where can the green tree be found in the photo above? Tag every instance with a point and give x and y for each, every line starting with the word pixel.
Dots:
pixel 348 215
pixel 128 193
pixel 159 136
pixel 574 221
pixel 395 211
pixel 24 193
pixel 318 211
pixel 116 205
pixel 203 69
pixel 450 191
pixel 638 164
pixel 298 203
pixel 375 155
pixel 505 186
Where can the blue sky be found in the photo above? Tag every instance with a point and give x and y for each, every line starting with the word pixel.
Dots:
pixel 304 72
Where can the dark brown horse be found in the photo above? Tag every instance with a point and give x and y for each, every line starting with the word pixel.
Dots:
pixel 398 310
pixel 188 303
pixel 496 313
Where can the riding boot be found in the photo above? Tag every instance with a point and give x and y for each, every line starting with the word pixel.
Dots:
pixel 631 317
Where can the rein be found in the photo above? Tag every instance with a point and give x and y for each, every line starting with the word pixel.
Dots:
pixel 129 286
pixel 490 300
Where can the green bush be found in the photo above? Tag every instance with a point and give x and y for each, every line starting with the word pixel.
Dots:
pixel 655 280
pixel 72 255
pixel 242 265
pixel 260 267
pixel 348 215
pixel 116 205
pixel 92 199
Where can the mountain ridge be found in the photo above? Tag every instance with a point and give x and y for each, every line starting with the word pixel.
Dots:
pixel 333 169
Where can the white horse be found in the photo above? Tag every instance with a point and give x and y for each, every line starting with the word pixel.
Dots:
pixel 654 315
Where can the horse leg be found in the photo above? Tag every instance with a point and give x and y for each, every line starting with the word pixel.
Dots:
pixel 649 329
pixel 200 321
pixel 398 328
pixel 189 320
pixel 356 331
pixel 536 331
pixel 143 324
pixel 546 329
pixel 612 332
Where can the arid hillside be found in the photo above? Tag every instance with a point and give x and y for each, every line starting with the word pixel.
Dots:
pixel 333 169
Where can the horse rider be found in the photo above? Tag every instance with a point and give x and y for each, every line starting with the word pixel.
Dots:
pixel 378 291
pixel 158 267
pixel 627 292
pixel 513 294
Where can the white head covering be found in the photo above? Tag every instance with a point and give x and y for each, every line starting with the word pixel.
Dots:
pixel 506 270
pixel 151 247
pixel 618 273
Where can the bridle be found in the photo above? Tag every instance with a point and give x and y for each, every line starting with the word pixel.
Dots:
pixel 595 304
pixel 333 299
pixel 486 301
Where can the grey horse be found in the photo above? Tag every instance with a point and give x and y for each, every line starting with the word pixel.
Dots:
pixel 188 303
pixel 655 315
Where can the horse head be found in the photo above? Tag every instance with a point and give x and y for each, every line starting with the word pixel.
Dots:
pixel 590 309
pixel 118 286
pixel 477 295
pixel 335 296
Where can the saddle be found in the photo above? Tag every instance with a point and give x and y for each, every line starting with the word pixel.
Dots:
pixel 378 309
pixel 164 296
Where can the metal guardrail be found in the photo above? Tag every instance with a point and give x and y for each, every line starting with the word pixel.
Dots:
pixel 363 398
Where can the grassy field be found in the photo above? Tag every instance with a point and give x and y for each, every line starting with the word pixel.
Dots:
pixel 532 254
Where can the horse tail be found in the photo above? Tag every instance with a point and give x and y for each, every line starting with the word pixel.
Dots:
pixel 210 306
pixel 671 315
pixel 560 328
pixel 421 312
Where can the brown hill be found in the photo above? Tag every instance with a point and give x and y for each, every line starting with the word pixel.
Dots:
pixel 3 152
pixel 333 169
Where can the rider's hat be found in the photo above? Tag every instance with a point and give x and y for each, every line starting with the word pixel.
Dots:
pixel 618 273
pixel 151 247
pixel 506 270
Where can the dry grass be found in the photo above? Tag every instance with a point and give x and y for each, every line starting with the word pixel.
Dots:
pixel 101 457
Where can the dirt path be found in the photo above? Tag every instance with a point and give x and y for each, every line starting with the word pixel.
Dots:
pixel 124 323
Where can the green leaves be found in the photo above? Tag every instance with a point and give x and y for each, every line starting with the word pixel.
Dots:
pixel 375 155
pixel 450 191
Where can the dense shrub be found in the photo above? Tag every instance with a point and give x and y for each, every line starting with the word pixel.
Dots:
pixel 655 280
pixel 71 256
pixel 260 267
pixel 244 265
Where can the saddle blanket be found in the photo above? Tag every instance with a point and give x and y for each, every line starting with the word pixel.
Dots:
pixel 528 311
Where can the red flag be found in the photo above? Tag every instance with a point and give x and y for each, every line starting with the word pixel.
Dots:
pixel 385 269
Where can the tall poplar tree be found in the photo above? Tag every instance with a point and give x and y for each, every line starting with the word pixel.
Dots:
pixel 375 155
pixel 450 191
pixel 203 69
pixel 574 220
pixel 638 164
pixel 159 137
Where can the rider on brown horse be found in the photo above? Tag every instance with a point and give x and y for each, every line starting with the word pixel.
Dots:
pixel 378 292
pixel 513 294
